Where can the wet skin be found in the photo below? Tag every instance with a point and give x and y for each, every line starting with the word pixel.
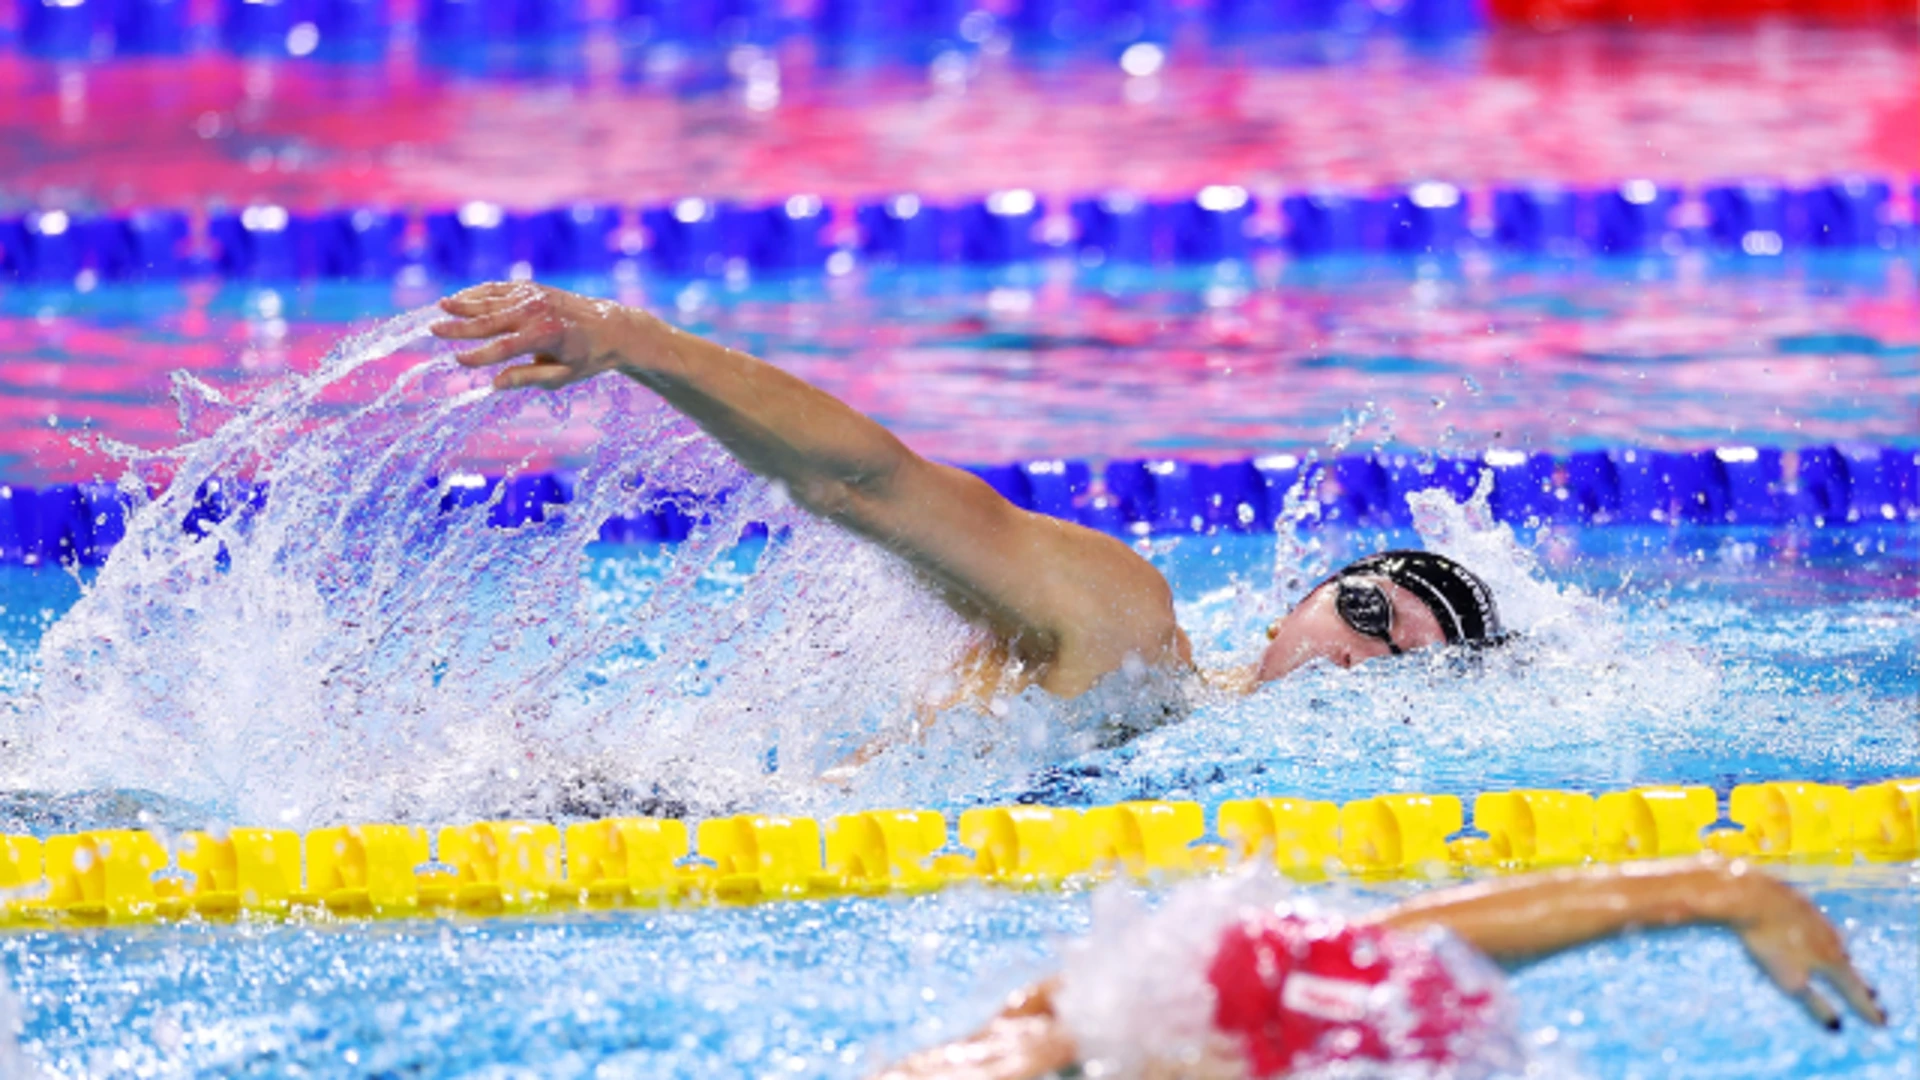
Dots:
pixel 1314 630
pixel 1064 605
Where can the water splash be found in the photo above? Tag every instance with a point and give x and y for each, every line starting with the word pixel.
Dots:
pixel 355 647
pixel 1529 604
pixel 1136 995
pixel 361 646
pixel 1651 681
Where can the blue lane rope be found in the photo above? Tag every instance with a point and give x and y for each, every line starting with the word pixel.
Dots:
pixel 1818 487
pixel 361 30
pixel 799 235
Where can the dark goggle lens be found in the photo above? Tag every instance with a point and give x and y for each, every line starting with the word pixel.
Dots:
pixel 1366 609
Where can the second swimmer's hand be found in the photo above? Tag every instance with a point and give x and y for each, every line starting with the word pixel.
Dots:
pixel 1792 942
pixel 564 337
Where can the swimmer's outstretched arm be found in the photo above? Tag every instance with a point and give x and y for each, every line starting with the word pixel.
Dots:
pixel 1524 918
pixel 1074 602
pixel 1514 919
pixel 1024 1039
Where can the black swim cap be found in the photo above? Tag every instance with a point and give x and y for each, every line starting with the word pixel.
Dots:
pixel 1458 599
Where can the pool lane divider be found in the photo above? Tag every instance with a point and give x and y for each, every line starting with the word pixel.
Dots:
pixel 525 867
pixel 1817 486
pixel 517 37
pixel 804 234
pixel 552 36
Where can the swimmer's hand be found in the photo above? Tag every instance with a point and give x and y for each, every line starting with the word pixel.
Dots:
pixel 566 338
pixel 1519 919
pixel 842 774
pixel 1792 942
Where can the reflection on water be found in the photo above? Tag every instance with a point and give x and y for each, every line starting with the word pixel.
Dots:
pixel 1588 106
pixel 1044 362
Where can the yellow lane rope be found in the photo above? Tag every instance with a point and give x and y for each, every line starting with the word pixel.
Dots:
pixel 502 867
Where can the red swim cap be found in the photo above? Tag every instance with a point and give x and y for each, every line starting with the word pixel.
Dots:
pixel 1297 992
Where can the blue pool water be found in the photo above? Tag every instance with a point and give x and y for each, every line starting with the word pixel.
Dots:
pixel 1799 660
pixel 825 989
pixel 340 657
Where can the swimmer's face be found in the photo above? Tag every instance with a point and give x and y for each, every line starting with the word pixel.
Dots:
pixel 1314 630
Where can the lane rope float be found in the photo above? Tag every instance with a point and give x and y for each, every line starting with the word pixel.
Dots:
pixel 488 868
pixel 1817 487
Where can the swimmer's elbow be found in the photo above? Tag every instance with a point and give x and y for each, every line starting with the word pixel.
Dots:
pixel 849 499
pixel 823 497
pixel 848 491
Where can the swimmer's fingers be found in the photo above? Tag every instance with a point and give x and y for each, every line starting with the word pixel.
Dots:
pixel 1789 973
pixel 490 297
pixel 1810 945
pixel 486 311
pixel 480 326
pixel 521 315
pixel 1787 962
pixel 567 337
pixel 500 350
pixel 541 374
pixel 1792 942
pixel 1844 977
pixel 1818 1007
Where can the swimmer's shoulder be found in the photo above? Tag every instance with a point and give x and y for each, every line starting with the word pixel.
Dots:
pixel 1106 578
pixel 1113 608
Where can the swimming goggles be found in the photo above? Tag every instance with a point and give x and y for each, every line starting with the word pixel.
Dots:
pixel 1364 607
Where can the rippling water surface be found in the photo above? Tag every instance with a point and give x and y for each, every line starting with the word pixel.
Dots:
pixel 1058 361
pixel 829 989
pixel 1588 106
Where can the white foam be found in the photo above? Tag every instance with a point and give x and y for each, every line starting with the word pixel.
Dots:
pixel 349 652
pixel 1134 991
pixel 1528 602
pixel 1135 995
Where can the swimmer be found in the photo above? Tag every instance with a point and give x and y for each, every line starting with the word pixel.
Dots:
pixel 1217 984
pixel 1061 606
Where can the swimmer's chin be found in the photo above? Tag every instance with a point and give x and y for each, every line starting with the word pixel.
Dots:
pixel 1241 680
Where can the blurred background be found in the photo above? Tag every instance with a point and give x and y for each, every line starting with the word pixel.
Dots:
pixel 1152 195
pixel 416 106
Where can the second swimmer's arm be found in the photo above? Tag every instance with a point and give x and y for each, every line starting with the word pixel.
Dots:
pixel 1515 918
pixel 1528 917
pixel 1023 1040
